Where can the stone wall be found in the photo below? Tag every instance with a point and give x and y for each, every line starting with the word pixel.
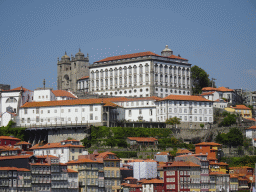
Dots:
pixel 58 135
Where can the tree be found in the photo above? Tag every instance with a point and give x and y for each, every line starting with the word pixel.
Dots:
pixel 200 79
pixel 173 121
pixel 230 119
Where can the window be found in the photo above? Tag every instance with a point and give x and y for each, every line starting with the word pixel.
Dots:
pixel 41 111
pixel 62 110
pixel 140 111
pixel 130 112
pixel 91 116
pixel 55 111
pixel 28 120
pixel 91 107
pixel 48 111
pixel 26 111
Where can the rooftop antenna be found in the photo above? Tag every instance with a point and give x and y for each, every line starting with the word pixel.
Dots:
pixel 44 83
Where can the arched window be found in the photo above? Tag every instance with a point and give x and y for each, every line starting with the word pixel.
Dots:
pixel 120 71
pixel 135 69
pixel 141 69
pixel 106 73
pixel 11 100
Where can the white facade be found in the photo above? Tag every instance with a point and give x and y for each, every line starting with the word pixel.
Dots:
pixel 144 169
pixel 141 75
pixel 61 115
pixel 73 181
pixel 186 110
pixel 83 84
pixel 43 95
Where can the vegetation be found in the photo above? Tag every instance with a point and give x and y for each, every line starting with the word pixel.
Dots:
pixel 16 132
pixel 229 119
pixel 125 154
pixel 233 138
pixel 116 136
pixel 240 161
pixel 173 121
pixel 200 79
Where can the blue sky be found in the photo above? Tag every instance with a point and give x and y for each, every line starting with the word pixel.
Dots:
pixel 218 36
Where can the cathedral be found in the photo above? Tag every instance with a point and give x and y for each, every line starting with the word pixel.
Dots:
pixel 70 70
pixel 141 74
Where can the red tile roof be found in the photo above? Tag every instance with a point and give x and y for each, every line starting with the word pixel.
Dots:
pixel 83 160
pixel 152 181
pixel 185 98
pixel 241 107
pixel 84 77
pixel 63 93
pixel 22 143
pixel 56 145
pixel 183 151
pixel 221 89
pixel 251 119
pixel 208 143
pixel 252 127
pixel 71 171
pixel 15 157
pixel 133 55
pixel 143 139
pixel 218 173
pixel 208 93
pixel 183 164
pixel 10 138
pixel 18 89
pixel 41 164
pixel 141 160
pixel 102 101
pixel 13 169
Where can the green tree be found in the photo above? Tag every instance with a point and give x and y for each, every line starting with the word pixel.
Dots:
pixel 200 79
pixel 235 137
pixel 173 121
pixel 229 120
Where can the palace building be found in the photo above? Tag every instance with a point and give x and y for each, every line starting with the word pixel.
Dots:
pixel 141 74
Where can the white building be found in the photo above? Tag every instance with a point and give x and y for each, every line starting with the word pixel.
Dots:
pixel 191 110
pixel 10 101
pixel 230 95
pixel 68 112
pixel 47 94
pixel 144 169
pixel 65 151
pixel 141 75
pixel 83 84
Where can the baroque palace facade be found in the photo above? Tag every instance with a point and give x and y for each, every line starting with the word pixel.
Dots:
pixel 141 74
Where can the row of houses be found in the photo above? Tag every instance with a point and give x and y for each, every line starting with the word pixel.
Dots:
pixel 67 166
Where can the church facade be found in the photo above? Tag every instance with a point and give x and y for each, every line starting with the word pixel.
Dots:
pixel 70 70
pixel 141 74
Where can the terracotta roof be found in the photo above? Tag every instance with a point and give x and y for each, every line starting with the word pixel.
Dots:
pixel 15 157
pixel 56 145
pixel 183 164
pixel 102 101
pixel 251 119
pixel 208 93
pixel 71 171
pixel 22 143
pixel 217 173
pixel 222 163
pixel 143 139
pixel 10 138
pixel 152 181
pixel 241 107
pixel 18 89
pixel 128 178
pixel 63 93
pixel 183 151
pixel 83 160
pixel 105 154
pixel 252 127
pixel 9 148
pixel 208 143
pixel 13 169
pixel 41 164
pixel 45 156
pixel 218 100
pixel 84 77
pixel 163 153
pixel 141 160
pixel 185 98
pixel 233 176
pixel 221 89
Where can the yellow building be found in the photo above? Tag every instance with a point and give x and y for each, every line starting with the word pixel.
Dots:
pixel 90 174
pixel 233 182
pixel 111 170
pixel 242 110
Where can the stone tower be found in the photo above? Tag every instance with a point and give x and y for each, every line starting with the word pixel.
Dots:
pixel 70 70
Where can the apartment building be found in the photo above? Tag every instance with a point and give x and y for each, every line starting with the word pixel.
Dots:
pixel 66 150
pixel 90 174
pixel 208 148
pixel 182 176
pixel 13 179
pixel 219 181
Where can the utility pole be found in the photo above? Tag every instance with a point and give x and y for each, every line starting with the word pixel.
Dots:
pixel 213 81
